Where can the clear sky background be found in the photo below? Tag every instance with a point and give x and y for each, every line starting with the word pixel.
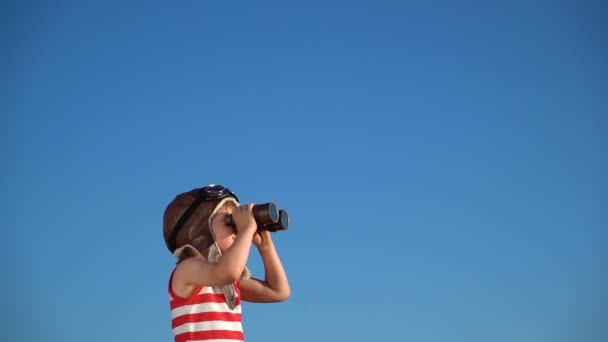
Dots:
pixel 444 163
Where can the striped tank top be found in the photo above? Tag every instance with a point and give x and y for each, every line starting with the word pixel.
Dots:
pixel 205 316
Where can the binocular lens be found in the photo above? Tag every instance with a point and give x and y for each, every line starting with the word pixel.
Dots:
pixel 284 219
pixel 282 224
pixel 266 213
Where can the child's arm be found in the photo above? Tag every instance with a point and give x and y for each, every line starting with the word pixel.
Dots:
pixel 275 287
pixel 230 266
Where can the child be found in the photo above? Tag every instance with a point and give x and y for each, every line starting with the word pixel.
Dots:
pixel 211 278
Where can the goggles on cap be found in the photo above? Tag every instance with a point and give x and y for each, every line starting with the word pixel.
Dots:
pixel 209 193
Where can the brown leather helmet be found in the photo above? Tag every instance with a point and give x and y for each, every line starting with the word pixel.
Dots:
pixel 187 224
pixel 187 219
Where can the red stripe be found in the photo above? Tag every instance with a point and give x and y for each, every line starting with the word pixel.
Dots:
pixel 204 317
pixel 210 335
pixel 204 298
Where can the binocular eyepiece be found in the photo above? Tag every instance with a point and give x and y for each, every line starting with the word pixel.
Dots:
pixel 267 216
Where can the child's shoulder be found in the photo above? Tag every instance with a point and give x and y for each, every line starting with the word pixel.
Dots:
pixel 189 262
pixel 185 276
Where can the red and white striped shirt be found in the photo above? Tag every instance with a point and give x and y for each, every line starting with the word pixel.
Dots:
pixel 205 316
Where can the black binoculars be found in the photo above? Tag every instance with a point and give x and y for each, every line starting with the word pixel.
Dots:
pixel 267 216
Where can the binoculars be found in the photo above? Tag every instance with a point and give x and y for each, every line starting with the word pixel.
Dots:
pixel 267 216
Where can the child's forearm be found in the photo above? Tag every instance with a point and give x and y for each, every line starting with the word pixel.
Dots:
pixel 235 258
pixel 275 275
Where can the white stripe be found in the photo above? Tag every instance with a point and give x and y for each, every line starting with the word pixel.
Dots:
pixel 204 307
pixel 210 289
pixel 207 326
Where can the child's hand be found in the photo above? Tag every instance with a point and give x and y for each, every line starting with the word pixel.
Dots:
pixel 243 218
pixel 262 239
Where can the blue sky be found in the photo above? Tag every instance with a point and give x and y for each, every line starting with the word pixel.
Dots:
pixel 444 164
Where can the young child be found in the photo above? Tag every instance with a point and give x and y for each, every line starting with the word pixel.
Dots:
pixel 211 277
